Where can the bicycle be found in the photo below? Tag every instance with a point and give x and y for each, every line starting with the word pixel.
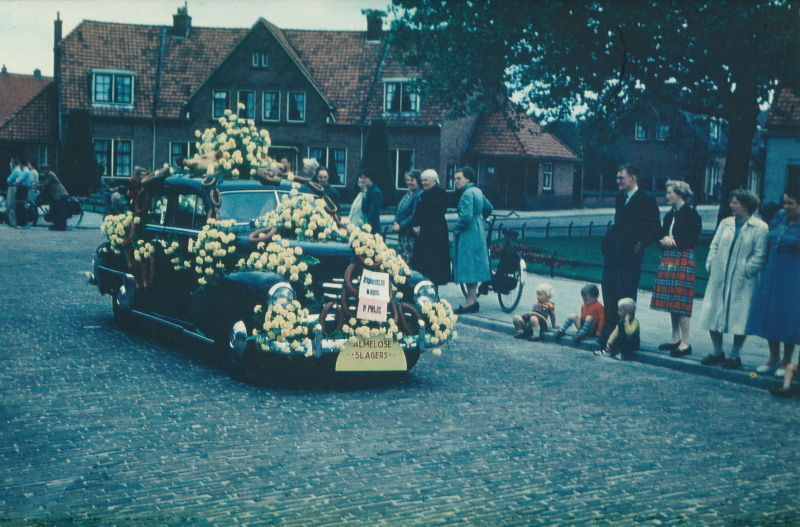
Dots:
pixel 32 209
pixel 508 279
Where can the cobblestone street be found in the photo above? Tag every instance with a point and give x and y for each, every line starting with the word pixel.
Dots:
pixel 102 427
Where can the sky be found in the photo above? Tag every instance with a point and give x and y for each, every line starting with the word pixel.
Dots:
pixel 26 27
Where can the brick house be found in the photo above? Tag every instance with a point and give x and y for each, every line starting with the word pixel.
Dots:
pixel 148 88
pixel 27 120
pixel 782 143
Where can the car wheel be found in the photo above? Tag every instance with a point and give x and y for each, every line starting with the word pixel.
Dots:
pixel 412 356
pixel 121 304
pixel 236 350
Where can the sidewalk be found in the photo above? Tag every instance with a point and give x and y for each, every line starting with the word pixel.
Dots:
pixel 655 329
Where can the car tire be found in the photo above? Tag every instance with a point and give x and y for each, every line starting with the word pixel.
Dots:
pixel 412 356
pixel 126 321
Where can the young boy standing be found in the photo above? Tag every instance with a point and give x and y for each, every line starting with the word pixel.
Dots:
pixel 530 324
pixel 592 316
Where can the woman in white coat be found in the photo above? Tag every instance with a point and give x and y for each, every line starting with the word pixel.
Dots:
pixel 735 260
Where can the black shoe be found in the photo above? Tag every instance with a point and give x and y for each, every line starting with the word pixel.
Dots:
pixel 668 346
pixel 781 392
pixel 711 359
pixel 677 352
pixel 732 364
pixel 483 289
pixel 559 335
pixel 522 335
pixel 461 310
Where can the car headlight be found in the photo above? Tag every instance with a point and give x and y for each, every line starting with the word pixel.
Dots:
pixel 424 292
pixel 281 291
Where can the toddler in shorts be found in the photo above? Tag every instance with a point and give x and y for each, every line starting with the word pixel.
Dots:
pixel 530 325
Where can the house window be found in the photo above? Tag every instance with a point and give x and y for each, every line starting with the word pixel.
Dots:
pixel 485 172
pixel 221 103
pixel 451 175
pixel 296 107
pixel 547 176
pixel 42 157
pixel 248 99
pixel 641 132
pixel 663 132
pixel 402 162
pixel 400 97
pixel 713 131
pixel 183 149
pixel 272 105
pixel 112 88
pixel 712 177
pixel 260 60
pixel 334 159
pixel 115 155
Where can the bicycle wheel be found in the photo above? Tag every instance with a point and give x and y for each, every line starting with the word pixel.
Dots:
pixel 510 300
pixel 27 215
pixel 74 216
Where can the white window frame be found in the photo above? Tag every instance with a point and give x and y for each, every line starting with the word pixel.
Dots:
pixel 111 165
pixel 264 106
pixel 113 74
pixel 214 102
pixel 663 132
pixel 289 103
pixel 260 60
pixel 401 82
pixel 547 176
pixel 400 176
pixel 239 101
pixel 41 155
pixel 640 132
pixel 189 146
pixel 713 131
pixel 342 175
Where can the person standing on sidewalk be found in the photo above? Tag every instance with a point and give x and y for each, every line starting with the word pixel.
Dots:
pixel 431 254
pixel 636 225
pixel 18 184
pixel 735 259
pixel 673 290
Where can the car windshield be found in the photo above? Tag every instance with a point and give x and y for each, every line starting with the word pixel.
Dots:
pixel 246 206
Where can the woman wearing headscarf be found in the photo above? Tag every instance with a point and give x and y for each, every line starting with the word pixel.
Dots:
pixel 432 245
pixel 736 257
pixel 470 254
pixel 405 215
pixel 673 290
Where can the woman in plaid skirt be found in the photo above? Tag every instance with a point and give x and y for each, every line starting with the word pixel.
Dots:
pixel 674 286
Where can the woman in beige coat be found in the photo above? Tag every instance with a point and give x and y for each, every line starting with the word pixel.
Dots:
pixel 735 260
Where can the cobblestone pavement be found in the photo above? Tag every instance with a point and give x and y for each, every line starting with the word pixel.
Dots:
pixel 99 427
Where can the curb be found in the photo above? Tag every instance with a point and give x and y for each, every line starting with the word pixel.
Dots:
pixel 644 356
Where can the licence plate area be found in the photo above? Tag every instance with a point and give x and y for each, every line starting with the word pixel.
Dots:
pixel 371 354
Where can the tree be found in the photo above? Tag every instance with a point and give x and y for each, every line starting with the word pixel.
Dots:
pixel 721 59
pixel 79 171
pixel 376 157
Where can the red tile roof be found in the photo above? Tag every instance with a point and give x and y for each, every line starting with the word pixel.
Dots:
pixel 785 112
pixel 16 91
pixel 36 121
pixel 492 137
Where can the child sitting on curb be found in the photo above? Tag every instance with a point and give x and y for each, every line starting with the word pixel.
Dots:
pixel 591 319
pixel 530 324
pixel 624 340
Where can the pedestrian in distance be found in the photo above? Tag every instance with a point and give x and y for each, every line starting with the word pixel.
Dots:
pixel 624 340
pixel 431 256
pixel 470 253
pixel 404 216
pixel 636 225
pixel 19 183
pixel 591 319
pixel 736 257
pixel 11 194
pixel 775 312
pixel 34 174
pixel 531 325
pixel 372 201
pixel 673 290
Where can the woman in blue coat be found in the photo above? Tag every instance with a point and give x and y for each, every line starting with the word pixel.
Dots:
pixel 775 312
pixel 372 201
pixel 470 254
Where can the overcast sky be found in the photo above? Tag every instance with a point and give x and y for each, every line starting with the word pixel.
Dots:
pixel 26 27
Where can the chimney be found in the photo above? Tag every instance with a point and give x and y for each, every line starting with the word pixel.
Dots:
pixel 57 47
pixel 182 22
pixel 37 74
pixel 374 24
pixel 4 71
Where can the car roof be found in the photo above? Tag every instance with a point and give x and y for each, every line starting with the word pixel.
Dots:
pixel 195 183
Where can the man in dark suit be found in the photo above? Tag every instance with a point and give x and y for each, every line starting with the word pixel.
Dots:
pixel 636 224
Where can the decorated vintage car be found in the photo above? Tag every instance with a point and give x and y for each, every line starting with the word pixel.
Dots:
pixel 275 272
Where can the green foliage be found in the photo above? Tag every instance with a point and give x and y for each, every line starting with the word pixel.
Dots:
pixel 376 157
pixel 78 171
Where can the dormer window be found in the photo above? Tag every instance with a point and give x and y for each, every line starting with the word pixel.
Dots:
pixel 260 60
pixel 400 96
pixel 112 88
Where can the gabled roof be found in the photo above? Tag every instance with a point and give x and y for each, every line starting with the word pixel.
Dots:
pixel 36 121
pixel 492 137
pixel 785 111
pixel 18 90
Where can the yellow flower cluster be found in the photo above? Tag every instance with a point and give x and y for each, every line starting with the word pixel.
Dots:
pixel 356 328
pixel 374 249
pixel 304 217
pixel 214 252
pixel 278 257
pixel 286 322
pixel 439 321
pixel 114 229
